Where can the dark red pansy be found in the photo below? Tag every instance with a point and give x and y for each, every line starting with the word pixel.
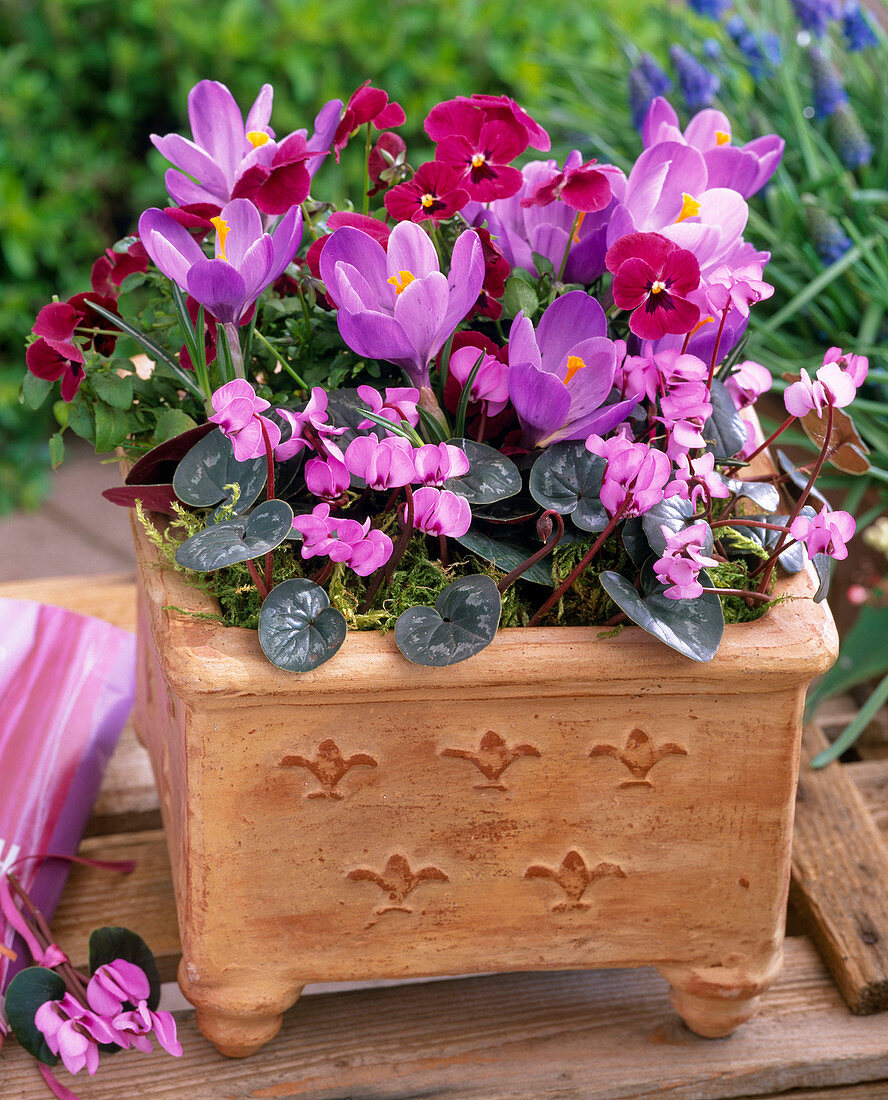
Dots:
pixel 433 193
pixel 103 343
pixel 45 362
pixel 386 162
pixel 55 355
pixel 652 277
pixel 282 183
pixel 482 152
pixel 110 269
pixel 448 117
pixel 376 229
pixel 496 271
pixel 367 105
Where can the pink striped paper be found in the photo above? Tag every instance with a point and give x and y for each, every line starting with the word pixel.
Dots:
pixel 66 688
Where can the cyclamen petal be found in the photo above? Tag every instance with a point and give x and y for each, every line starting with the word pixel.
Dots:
pixel 440 512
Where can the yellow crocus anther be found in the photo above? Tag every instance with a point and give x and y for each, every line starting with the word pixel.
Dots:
pixel 257 138
pixel 579 221
pixel 700 324
pixel 722 138
pixel 222 229
pixel 574 364
pixel 427 200
pixel 690 207
pixel 401 281
pixel 477 160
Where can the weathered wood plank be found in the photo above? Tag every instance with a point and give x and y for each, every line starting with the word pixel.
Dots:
pixel 108 596
pixel 597 1035
pixel 127 800
pixel 840 880
pixel 870 777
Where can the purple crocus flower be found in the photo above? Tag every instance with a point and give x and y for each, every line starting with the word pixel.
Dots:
pixel 231 158
pixel 247 260
pixel 440 512
pixel 561 375
pixel 395 304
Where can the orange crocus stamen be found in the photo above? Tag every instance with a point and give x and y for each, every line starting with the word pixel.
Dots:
pixel 401 281
pixel 222 230
pixel 722 138
pixel 257 138
pixel 576 233
pixel 690 207
pixel 574 364
pixel 700 324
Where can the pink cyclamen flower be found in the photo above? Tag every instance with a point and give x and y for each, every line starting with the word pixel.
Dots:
pixel 343 540
pixel 312 418
pixel 737 287
pixel 747 382
pixel 825 533
pixel 635 475
pixel 433 194
pixel 653 277
pixel 831 387
pixel 696 478
pixel 328 477
pixel 399 403
pixel 682 561
pixel 237 410
pixel 382 463
pixel 435 463
pixel 74 1033
pixel 491 379
pixel 440 512
pixel 855 366
pixel 135 1026
pixel 114 984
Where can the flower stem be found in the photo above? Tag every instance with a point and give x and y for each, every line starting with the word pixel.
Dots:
pixel 570 241
pixel 257 579
pixel 551 543
pixel 269 493
pixel 367 144
pixel 234 347
pixel 758 597
pixel 716 346
pixel 300 382
pixel 779 431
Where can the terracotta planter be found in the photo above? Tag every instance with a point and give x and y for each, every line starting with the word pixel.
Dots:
pixel 561 800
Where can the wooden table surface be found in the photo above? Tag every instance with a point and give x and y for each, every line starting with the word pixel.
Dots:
pixel 582 1035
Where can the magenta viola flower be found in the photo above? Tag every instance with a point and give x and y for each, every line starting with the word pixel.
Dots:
pixel 237 412
pixel 747 382
pixel 114 984
pixel 682 561
pixel 825 533
pixel 395 304
pixel 313 418
pixel 448 117
pixel 635 475
pixel 367 105
pixel 653 277
pixel 490 384
pixel 55 355
pixel 744 168
pixel 399 403
pixel 435 463
pixel 433 194
pixel 832 387
pixel 363 549
pixel 382 463
pixel 247 260
pixel 231 158
pixel 582 187
pixel 561 374
pixel 440 512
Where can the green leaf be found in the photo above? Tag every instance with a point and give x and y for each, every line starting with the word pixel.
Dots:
pixel 567 479
pixel 81 419
pixel 235 540
pixel 27 991
pixel 113 390
pixel 171 423
pixel 693 628
pixel 35 390
pixel 675 514
pixel 519 297
pixel 112 942
pixel 112 427
pixel 203 474
pixel 507 552
pixel 56 449
pixel 543 264
pixel 463 621
pixel 492 475
pixel 724 431
pixel 298 629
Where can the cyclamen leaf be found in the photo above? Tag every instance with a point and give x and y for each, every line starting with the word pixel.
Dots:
pixel 203 474
pixel 692 628
pixel 236 540
pixel 798 477
pixel 724 431
pixel 761 493
pixel 463 621
pixel 491 477
pixel 27 991
pixel 675 514
pixel 113 942
pixel 567 479
pixel 298 629
pixel 507 553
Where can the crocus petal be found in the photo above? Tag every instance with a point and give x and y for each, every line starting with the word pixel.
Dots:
pixel 217 124
pixel 410 249
pixel 523 347
pixel 216 285
pixel 170 245
pixel 569 319
pixel 245 225
pixel 466 278
pixel 256 265
pixel 354 247
pixel 420 309
pixel 541 401
pixel 185 192
pixel 377 336
pixel 259 114
pixel 194 161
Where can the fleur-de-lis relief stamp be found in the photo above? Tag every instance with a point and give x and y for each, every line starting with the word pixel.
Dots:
pixel 639 755
pixel 398 881
pixel 574 876
pixel 492 758
pixel 328 767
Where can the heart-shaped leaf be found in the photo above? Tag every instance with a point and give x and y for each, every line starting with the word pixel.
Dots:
pixel 761 493
pixel 463 621
pixel 491 477
pixel 203 474
pixel 693 628
pixel 823 567
pixel 239 539
pixel 675 514
pixel 112 942
pixel 298 629
pixel 27 991
pixel 635 541
pixel 507 552
pixel 567 478
pixel 724 431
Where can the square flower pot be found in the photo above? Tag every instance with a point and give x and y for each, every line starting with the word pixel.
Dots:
pixel 565 799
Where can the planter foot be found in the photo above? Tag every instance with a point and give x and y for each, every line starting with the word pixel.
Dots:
pixel 237 1036
pixel 713 1001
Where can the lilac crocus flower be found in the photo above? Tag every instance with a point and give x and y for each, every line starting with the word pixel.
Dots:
pixel 232 158
pixel 743 168
pixel 440 512
pixel 561 374
pixel 247 260
pixel 395 303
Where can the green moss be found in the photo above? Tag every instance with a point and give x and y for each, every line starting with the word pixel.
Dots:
pixel 735 574
pixel 586 603
pixel 738 544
